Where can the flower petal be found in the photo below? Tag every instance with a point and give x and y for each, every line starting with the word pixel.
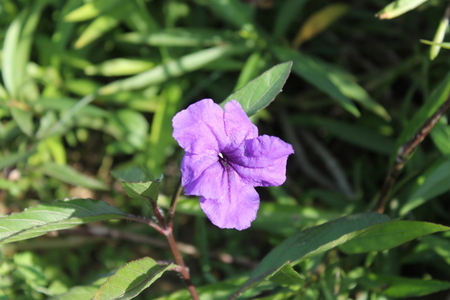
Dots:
pixel 200 128
pixel 199 173
pixel 236 208
pixel 261 161
pixel 226 199
pixel 237 125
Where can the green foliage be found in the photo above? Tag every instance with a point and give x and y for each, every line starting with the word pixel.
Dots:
pixel 87 94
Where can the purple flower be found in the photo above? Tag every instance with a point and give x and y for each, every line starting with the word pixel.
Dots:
pixel 225 159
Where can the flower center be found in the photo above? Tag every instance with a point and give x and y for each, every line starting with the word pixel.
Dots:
pixel 223 161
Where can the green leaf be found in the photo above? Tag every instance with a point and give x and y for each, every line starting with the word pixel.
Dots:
pixel 433 182
pixel 389 235
pixel 442 45
pixel 17 47
pixel 103 24
pixel 398 8
pixel 439 95
pixel 233 11
pixel 14 158
pixel 132 174
pixel 131 279
pixel 78 293
pixel 69 175
pixel 352 133
pixel 24 119
pixel 57 215
pixel 394 286
pixel 90 10
pixel 261 91
pixel 311 242
pixel 222 290
pixel 287 276
pixel 177 37
pixel 119 67
pixel 440 134
pixel 439 36
pixel 173 68
pixel 288 12
pixel 336 83
pixel 142 190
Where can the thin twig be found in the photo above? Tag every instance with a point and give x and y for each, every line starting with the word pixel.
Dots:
pixel 405 151
pixel 179 260
pixel 173 203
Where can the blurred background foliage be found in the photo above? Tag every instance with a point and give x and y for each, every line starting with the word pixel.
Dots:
pixel 91 86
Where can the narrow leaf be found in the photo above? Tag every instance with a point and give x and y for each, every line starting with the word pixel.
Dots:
pixel 319 21
pixel 261 91
pixel 24 119
pixel 131 279
pixel 311 242
pixel 177 37
pixel 389 235
pixel 336 83
pixel 439 95
pixel 440 34
pixel 57 215
pixel 401 287
pixel 233 11
pixel 90 10
pixel 288 12
pixel 103 24
pixel 429 185
pixel 174 68
pixel 69 175
pixel 398 8
pixel 441 137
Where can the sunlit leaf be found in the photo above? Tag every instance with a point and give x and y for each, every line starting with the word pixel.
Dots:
pixel 319 21
pixel 172 69
pixel 311 242
pixel 389 235
pixel 131 279
pixel 398 8
pixel 261 91
pixel 58 215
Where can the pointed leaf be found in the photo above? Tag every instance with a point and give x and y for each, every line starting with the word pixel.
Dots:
pixel 261 91
pixel 24 119
pixel 311 242
pixel 58 215
pixel 399 287
pixel 333 81
pixel 173 68
pixel 429 185
pixel 69 175
pixel 142 190
pixel 131 279
pixel 319 21
pixel 389 235
pixel 439 95
pixel 398 7
pixel 90 10
pixel 132 174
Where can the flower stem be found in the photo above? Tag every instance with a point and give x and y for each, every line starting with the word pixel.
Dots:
pixel 184 271
pixel 173 203
pixel 405 151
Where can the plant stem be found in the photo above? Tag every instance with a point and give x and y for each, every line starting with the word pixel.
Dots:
pixel 184 271
pixel 405 151
pixel 173 203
